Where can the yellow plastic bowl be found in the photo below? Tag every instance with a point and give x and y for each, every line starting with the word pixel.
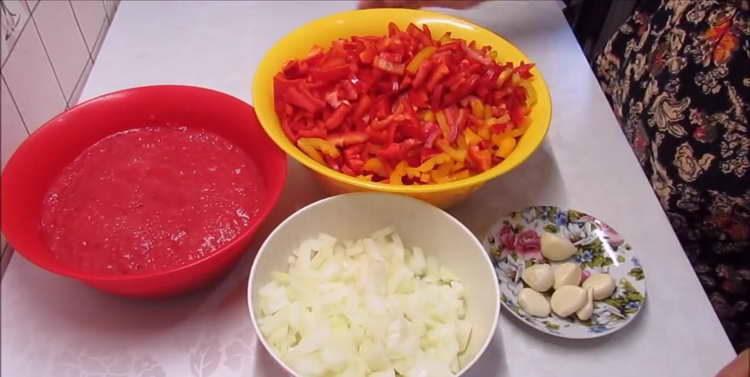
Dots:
pixel 325 30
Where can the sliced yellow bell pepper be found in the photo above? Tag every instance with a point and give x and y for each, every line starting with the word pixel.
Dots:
pixel 505 118
pixel 460 175
pixel 419 58
pixel 506 147
pixel 443 123
pixel 398 173
pixel 428 116
pixel 455 154
pixel 367 177
pixel 471 137
pixel 442 173
pixel 503 77
pixel 462 144
pixel 487 112
pixel 477 108
pixel 457 166
pixel 484 132
pixel 428 165
pixel 312 152
pixel 376 166
pixel 518 132
pixel 319 144
pixel 531 96
pixel 445 38
pixel 515 79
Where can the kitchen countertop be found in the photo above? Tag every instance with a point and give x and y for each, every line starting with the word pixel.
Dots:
pixel 52 326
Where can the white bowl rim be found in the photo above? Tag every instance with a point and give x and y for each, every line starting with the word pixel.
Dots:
pixel 324 201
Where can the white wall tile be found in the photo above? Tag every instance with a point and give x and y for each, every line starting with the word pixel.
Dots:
pixel 91 17
pixel 100 39
pixel 13 131
pixel 30 78
pixel 13 17
pixel 31 4
pixel 111 7
pixel 80 84
pixel 63 41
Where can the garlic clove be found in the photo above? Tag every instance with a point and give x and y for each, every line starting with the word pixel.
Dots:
pixel 539 277
pixel 584 314
pixel 567 274
pixel 556 248
pixel 603 285
pixel 567 300
pixel 533 302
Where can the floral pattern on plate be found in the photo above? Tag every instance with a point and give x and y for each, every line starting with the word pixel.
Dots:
pixel 514 245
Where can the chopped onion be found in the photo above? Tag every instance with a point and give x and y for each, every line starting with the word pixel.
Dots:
pixel 365 308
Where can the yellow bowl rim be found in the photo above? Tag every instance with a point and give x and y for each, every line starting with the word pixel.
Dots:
pixel 304 159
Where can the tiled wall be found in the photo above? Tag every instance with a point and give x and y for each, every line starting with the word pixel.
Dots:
pixel 47 49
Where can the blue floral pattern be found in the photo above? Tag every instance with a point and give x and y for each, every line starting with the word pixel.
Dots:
pixel 513 243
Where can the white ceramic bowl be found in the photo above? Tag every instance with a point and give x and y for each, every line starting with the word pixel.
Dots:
pixel 353 216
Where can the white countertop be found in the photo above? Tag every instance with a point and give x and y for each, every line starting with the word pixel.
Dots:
pixel 52 326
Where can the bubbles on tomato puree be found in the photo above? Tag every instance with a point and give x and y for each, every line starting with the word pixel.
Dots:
pixel 150 199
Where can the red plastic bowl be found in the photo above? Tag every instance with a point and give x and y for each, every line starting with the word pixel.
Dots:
pixel 38 161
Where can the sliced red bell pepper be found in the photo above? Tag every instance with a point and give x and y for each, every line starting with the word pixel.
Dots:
pixel 413 130
pixel 524 70
pixel 332 98
pixel 337 117
pixel 441 71
pixel 422 73
pixel 384 64
pixel 418 98
pixel 419 35
pixel 382 107
pixel 331 73
pixel 461 119
pixel 318 132
pixel 517 115
pixel 426 31
pixel 393 29
pixel 294 69
pixel 368 54
pixel 480 159
pixel 302 98
pixel 346 90
pixel 348 138
pixel 432 131
pixel 451 115
pixel 363 105
pixel 286 127
pixel 392 152
pixel 436 99
pixel 475 55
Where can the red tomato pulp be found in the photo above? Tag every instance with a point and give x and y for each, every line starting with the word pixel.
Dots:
pixel 150 199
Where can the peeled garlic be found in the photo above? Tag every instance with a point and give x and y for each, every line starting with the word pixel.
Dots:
pixel 587 310
pixel 533 302
pixel 567 300
pixel 539 277
pixel 567 274
pixel 602 284
pixel 556 248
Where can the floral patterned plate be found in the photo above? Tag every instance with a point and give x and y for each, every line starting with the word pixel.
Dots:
pixel 513 243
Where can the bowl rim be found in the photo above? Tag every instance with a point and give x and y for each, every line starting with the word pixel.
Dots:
pixel 272 197
pixel 472 181
pixel 436 210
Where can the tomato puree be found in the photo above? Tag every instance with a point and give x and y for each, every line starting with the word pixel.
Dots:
pixel 150 199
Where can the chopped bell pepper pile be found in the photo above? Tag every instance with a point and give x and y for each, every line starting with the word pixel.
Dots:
pixel 405 108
